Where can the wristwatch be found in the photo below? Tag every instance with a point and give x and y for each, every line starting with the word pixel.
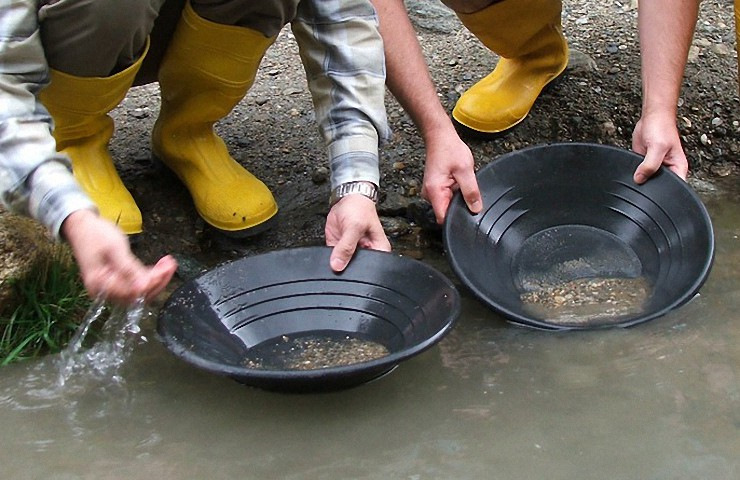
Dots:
pixel 367 189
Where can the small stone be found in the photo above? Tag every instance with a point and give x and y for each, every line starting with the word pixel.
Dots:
pixel 694 53
pixel 394 204
pixel 721 49
pixel 394 226
pixel 721 169
pixel 140 113
pixel 608 128
pixel 320 175
pixel 704 139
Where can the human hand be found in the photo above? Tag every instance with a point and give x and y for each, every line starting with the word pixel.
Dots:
pixel 352 222
pixel 449 166
pixel 656 137
pixel 107 265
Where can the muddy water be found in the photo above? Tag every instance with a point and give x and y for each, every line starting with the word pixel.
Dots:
pixel 657 401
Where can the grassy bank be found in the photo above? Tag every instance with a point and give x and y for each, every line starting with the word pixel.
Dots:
pixel 49 303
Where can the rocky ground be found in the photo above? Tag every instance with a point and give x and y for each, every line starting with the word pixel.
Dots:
pixel 273 132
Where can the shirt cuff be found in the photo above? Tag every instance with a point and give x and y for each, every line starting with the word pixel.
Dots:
pixel 55 194
pixel 354 159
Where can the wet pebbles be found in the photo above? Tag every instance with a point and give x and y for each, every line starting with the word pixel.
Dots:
pixel 316 352
pixel 587 300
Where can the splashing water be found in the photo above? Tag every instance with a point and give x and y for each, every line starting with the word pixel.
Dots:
pixel 102 361
pixel 79 372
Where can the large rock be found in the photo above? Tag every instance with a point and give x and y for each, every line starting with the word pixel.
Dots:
pixel 22 241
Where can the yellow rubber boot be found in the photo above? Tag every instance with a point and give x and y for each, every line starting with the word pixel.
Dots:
pixel 82 129
pixel 207 70
pixel 528 36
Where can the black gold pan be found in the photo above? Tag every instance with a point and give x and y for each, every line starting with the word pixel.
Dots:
pixel 259 319
pixel 562 217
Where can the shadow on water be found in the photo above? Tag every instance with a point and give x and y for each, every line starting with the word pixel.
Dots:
pixel 657 401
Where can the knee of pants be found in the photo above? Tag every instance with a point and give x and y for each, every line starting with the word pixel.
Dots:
pixel 95 37
pixel 118 21
pixel 267 17
pixel 122 20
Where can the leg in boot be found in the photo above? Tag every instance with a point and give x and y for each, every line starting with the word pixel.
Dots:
pixel 206 71
pixel 528 37
pixel 79 107
pixel 95 49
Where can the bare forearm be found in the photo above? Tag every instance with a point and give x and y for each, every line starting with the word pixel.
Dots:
pixel 666 30
pixel 408 76
pixel 449 161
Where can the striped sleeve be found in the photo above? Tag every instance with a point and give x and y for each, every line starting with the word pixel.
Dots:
pixel 342 53
pixel 34 179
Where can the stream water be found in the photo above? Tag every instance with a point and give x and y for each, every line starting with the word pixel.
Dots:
pixel 657 401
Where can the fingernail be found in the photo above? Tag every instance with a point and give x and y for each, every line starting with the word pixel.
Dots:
pixel 640 178
pixel 337 264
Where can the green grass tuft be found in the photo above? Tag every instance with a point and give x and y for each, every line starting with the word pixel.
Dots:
pixel 52 302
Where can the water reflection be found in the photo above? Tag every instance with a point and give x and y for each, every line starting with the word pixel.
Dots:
pixel 657 401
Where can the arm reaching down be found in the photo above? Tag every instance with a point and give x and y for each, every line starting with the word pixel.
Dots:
pixel 449 161
pixel 666 30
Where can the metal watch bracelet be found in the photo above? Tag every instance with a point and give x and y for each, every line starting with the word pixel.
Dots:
pixel 367 189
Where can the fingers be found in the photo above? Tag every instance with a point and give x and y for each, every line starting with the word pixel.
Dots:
pixel 122 279
pixel 648 167
pixel 127 277
pixel 353 222
pixel 441 197
pixel 470 191
pixel 116 286
pixel 376 240
pixel 674 159
pixel 444 176
pixel 108 266
pixel 681 169
pixel 440 200
pixel 160 275
pixel 656 136
pixel 343 252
